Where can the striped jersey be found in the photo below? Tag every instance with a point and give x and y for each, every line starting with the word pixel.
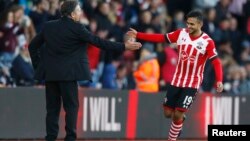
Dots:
pixel 193 53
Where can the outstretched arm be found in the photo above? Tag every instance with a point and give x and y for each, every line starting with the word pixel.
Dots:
pixel 158 38
pixel 86 36
pixel 150 37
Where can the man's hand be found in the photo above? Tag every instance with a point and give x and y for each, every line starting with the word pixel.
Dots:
pixel 131 45
pixel 132 33
pixel 219 87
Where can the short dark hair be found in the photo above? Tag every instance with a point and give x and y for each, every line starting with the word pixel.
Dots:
pixel 195 14
pixel 68 7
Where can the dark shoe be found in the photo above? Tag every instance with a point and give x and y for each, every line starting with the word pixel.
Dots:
pixel 184 117
pixel 50 138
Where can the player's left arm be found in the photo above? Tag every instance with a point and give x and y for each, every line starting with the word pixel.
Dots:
pixel 216 62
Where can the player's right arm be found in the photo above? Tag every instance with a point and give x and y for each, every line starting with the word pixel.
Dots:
pixel 154 37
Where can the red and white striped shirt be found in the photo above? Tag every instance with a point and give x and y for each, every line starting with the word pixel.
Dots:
pixel 193 53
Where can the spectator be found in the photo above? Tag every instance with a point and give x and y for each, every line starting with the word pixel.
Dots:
pixel 170 63
pixel 147 73
pixel 235 37
pixel 5 78
pixel 40 15
pixel 222 10
pixel 234 76
pixel 130 12
pixel 111 64
pixel 8 38
pixel 144 22
pixel 247 66
pixel 244 87
pixel 102 17
pixel 246 21
pixel 245 55
pixel 22 70
pixel 204 4
pixel 178 20
pixel 209 23
pixel 25 23
pixel 54 12
pixel 121 77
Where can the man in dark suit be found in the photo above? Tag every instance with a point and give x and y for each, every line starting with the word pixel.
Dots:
pixel 64 61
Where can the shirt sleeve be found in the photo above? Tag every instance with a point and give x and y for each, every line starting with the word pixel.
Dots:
pixel 173 36
pixel 211 50
pixel 151 37
pixel 218 69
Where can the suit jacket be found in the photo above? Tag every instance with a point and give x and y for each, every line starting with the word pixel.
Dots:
pixel 59 51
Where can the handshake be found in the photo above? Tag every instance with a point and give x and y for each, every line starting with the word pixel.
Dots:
pixel 131 43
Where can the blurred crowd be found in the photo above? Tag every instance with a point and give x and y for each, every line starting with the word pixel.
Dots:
pixel 149 69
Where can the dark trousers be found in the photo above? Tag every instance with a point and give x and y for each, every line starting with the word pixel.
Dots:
pixel 67 92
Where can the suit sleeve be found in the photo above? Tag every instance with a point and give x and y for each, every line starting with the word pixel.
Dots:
pixel 34 47
pixel 88 37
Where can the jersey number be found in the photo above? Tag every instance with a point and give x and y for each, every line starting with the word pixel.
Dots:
pixel 187 101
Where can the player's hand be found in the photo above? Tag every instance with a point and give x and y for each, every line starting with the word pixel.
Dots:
pixel 219 87
pixel 132 33
pixel 131 45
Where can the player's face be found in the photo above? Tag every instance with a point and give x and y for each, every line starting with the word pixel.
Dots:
pixel 193 25
pixel 76 14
